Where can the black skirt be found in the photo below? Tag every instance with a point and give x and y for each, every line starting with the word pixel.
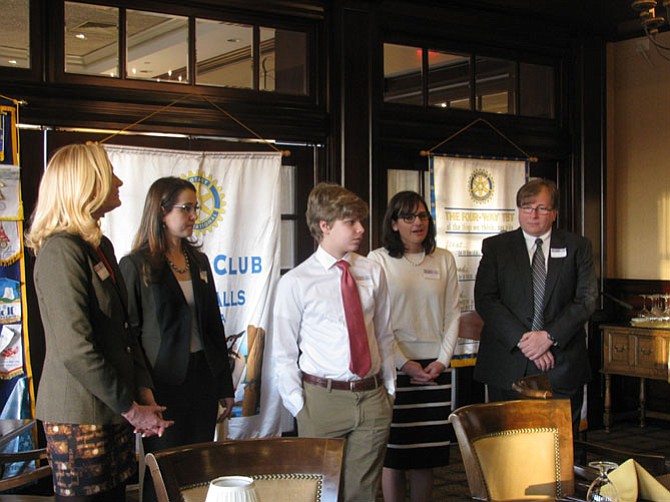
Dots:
pixel 420 433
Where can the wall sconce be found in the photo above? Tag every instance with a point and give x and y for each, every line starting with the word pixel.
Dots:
pixel 652 22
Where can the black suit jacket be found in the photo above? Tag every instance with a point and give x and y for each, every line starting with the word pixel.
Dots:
pixel 159 312
pixel 504 300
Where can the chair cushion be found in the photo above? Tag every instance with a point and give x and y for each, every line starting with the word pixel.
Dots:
pixel 520 464
pixel 275 487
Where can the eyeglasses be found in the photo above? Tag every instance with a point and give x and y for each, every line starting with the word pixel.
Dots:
pixel 410 217
pixel 187 208
pixel 540 210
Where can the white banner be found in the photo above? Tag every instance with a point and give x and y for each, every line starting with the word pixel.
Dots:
pixel 472 199
pixel 239 228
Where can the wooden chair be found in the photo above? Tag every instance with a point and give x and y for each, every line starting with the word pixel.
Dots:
pixel 533 387
pixel 285 469
pixel 516 450
pixel 26 479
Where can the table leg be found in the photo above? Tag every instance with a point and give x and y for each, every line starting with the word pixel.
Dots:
pixel 643 404
pixel 607 415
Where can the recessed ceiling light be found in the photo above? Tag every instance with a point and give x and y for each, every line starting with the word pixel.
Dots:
pixel 12 61
pixel 233 40
pixel 80 36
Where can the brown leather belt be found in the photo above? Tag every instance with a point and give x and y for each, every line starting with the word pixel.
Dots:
pixel 369 383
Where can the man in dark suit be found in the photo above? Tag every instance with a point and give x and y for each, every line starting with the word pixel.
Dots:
pixel 517 271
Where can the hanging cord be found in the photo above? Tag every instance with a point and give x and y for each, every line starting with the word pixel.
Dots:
pixel 284 153
pixel 160 110
pixel 426 153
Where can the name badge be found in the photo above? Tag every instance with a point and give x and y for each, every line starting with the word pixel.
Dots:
pixel 558 252
pixel 363 280
pixel 431 274
pixel 203 276
pixel 101 270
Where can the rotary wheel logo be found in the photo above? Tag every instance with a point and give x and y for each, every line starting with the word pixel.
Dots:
pixel 212 205
pixel 480 186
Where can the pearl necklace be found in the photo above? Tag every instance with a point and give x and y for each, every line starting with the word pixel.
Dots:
pixel 413 263
pixel 177 269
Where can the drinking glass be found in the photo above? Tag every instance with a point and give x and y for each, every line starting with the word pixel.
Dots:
pixel 602 489
pixel 666 310
pixel 656 310
pixel 644 313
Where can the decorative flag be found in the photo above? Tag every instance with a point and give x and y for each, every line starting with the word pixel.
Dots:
pixel 238 227
pixel 472 199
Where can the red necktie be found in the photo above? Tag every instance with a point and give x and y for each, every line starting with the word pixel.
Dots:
pixel 353 312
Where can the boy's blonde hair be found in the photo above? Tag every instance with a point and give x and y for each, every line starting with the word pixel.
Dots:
pixel 329 202
pixel 75 184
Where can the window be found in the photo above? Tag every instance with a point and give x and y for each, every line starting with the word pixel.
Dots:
pixel 448 80
pixel 91 39
pixel 157 47
pixel 402 74
pixel 283 61
pixel 227 53
pixel 15 35
pixel 224 54
pixel 495 85
pixel 536 84
pixel 433 78
pixel 414 180
pixel 288 216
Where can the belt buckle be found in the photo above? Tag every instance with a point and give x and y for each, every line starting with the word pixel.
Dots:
pixel 352 385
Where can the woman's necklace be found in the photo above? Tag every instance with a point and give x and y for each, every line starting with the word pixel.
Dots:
pixel 413 263
pixel 176 268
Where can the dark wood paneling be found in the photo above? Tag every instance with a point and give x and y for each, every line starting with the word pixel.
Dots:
pixel 354 64
pixel 32 167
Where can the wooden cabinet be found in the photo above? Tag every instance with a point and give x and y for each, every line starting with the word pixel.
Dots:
pixel 636 352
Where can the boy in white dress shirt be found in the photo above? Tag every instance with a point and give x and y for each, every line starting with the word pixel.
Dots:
pixel 311 342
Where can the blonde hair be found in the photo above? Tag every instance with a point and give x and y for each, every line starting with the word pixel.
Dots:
pixel 329 202
pixel 75 184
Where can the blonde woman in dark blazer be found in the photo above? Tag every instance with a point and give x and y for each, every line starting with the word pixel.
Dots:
pixel 173 305
pixel 95 388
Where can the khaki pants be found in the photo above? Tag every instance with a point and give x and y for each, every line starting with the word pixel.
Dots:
pixel 363 419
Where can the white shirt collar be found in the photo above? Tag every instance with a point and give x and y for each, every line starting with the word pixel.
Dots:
pixel 328 260
pixel 530 240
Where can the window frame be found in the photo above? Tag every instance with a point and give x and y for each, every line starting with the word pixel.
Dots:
pixel 36 53
pixel 310 27
pixel 516 59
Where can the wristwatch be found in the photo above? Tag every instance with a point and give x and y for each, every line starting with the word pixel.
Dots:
pixel 553 340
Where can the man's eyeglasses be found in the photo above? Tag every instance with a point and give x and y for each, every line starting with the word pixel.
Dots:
pixel 187 208
pixel 410 217
pixel 540 210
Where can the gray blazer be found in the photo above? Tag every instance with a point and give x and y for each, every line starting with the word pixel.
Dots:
pixel 94 364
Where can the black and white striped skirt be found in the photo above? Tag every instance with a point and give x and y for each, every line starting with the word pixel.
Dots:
pixel 420 430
